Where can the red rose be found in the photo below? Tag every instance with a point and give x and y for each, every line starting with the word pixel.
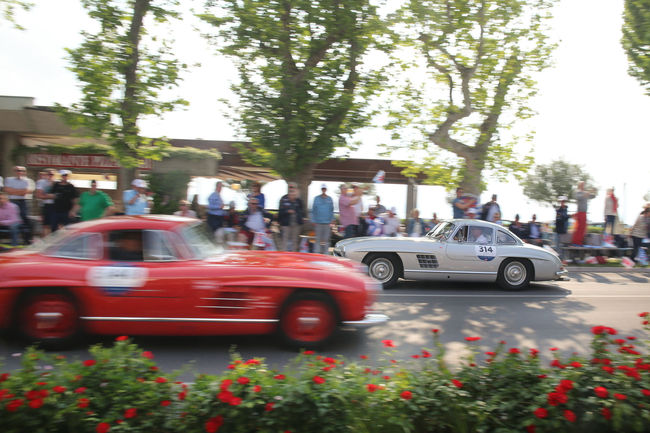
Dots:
pixel 318 380
pixel 147 354
pixel 83 403
pixel 165 403
pixel 257 388
pixel 435 331
pixel 553 349
pixel 59 389
pixel 620 396
pixel 601 391
pixel 607 414
pixel 472 338
pixel 555 398
pixel 530 428
pixel 122 338
pixel 182 395
pixel 213 424
pixel 103 427
pixel 406 395
pixel 4 376
pixel 540 412
pixel 575 364
pixel 80 390
pixel 225 396
pixel 372 387
pixel 457 383
pixel 35 404
pixel 243 380
pixel 646 392
pixel 514 351
pixel 90 362
pixel 415 356
pixel 388 343
pixel 386 377
pixel 644 314
pixel 570 416
pixel 308 352
pixel 329 360
pixel 279 377
pixel 268 407
pixel 13 405
pixel 565 385
pixel 257 362
pixel 426 354
pixel 234 401
pixel 363 356
pixel 130 413
pixel 161 380
pixel 534 352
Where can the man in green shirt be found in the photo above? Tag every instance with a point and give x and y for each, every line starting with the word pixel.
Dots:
pixel 94 204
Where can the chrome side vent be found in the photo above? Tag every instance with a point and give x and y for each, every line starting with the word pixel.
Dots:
pixel 427 261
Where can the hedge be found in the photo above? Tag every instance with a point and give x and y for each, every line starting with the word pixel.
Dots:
pixel 120 389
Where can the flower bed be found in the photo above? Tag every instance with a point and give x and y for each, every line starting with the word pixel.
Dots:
pixel 120 389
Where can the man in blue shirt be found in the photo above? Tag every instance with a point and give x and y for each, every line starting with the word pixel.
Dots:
pixel 459 204
pixel 215 208
pixel 322 214
pixel 135 200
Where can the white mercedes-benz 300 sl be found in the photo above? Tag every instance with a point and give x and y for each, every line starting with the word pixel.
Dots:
pixel 455 250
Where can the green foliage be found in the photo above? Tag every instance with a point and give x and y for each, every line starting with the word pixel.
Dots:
pixel 559 178
pixel 505 390
pixel 479 59
pixel 303 83
pixel 8 8
pixel 636 39
pixel 169 189
pixel 122 77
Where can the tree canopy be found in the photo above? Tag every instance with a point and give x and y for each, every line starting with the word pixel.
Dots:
pixel 479 58
pixel 303 85
pixel 8 10
pixel 122 69
pixel 558 178
pixel 636 39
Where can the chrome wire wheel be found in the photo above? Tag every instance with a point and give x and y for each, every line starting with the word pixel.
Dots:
pixel 381 269
pixel 515 273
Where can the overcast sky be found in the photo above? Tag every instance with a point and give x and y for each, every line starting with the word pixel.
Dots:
pixel 591 112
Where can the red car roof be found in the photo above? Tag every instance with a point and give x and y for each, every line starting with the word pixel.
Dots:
pixel 153 222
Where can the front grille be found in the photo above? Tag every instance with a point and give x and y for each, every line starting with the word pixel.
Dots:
pixel 427 261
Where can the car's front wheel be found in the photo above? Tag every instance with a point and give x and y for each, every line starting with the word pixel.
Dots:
pixel 383 267
pixel 308 320
pixel 49 318
pixel 514 274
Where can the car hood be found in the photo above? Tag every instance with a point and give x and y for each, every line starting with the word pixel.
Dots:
pixel 396 243
pixel 278 259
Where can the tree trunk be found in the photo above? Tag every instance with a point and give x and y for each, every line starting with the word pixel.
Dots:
pixel 474 165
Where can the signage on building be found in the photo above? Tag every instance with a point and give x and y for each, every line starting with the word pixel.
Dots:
pixel 78 161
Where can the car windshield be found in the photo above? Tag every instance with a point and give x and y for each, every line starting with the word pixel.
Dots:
pixel 442 231
pixel 200 241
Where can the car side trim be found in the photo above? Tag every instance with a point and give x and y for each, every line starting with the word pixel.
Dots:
pixel 174 319
pixel 430 271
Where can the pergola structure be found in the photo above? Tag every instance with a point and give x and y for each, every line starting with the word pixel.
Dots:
pixel 344 170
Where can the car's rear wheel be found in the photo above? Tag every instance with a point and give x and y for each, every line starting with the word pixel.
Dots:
pixel 48 318
pixel 514 274
pixel 308 320
pixel 383 267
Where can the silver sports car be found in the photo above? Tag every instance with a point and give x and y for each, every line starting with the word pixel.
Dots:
pixel 455 250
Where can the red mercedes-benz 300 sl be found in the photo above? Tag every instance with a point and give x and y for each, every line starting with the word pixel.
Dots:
pixel 163 275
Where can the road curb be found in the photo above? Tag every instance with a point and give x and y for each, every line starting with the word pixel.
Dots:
pixel 606 269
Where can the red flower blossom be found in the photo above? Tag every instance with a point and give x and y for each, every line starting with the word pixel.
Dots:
pixel 570 416
pixel 514 351
pixel 646 392
pixel 388 343
pixel 225 396
pixel 90 362
pixel 318 380
pixel 644 314
pixel 36 403
pixel 231 367
pixel 59 389
pixel 607 414
pixel 608 369
pixel 225 384
pixel 557 363
pixel 327 368
pixel 435 330
pixel 165 403
pixel 457 383
pixel 130 413
pixel 530 428
pixel 540 412
pixel 122 338
pixel 490 353
pixel 161 380
pixel 268 407
pixel 147 354
pixel 254 361
pixel 235 401
pixel 565 385
pixel 534 352
pixel 83 403
pixel 257 388
pixel 406 395
pixel 103 427
pixel 553 349
pixel 386 377
pixel 243 380
pixel 415 356
pixel 575 364
pixel 372 387
pixel 426 354
pixel 329 360
pixel 631 337
pixel 542 376
pixel 555 398
pixel 472 338
pixel 279 377
pixel 4 376
pixel 213 424
pixel 181 395
pixel 363 356
pixel 601 391
pixel 308 352
pixel 620 396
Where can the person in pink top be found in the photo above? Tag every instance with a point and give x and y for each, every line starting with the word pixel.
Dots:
pixel 348 214
pixel 9 217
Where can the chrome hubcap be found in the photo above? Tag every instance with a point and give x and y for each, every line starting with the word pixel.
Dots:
pixel 515 273
pixel 381 270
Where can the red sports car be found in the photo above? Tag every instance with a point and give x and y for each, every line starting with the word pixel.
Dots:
pixel 163 275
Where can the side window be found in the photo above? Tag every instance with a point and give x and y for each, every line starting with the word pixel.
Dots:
pixel 87 246
pixel 504 238
pixel 461 234
pixel 157 246
pixel 479 235
pixel 125 245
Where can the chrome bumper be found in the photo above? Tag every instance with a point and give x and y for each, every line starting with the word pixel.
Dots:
pixel 371 319
pixel 562 275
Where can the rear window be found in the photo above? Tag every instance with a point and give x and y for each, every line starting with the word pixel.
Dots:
pixel 86 246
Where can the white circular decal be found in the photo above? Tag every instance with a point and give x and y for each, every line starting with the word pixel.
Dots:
pixel 485 252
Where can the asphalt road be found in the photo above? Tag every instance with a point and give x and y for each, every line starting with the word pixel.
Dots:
pixel 558 314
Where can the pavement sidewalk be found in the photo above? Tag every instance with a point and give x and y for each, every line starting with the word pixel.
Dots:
pixel 607 269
